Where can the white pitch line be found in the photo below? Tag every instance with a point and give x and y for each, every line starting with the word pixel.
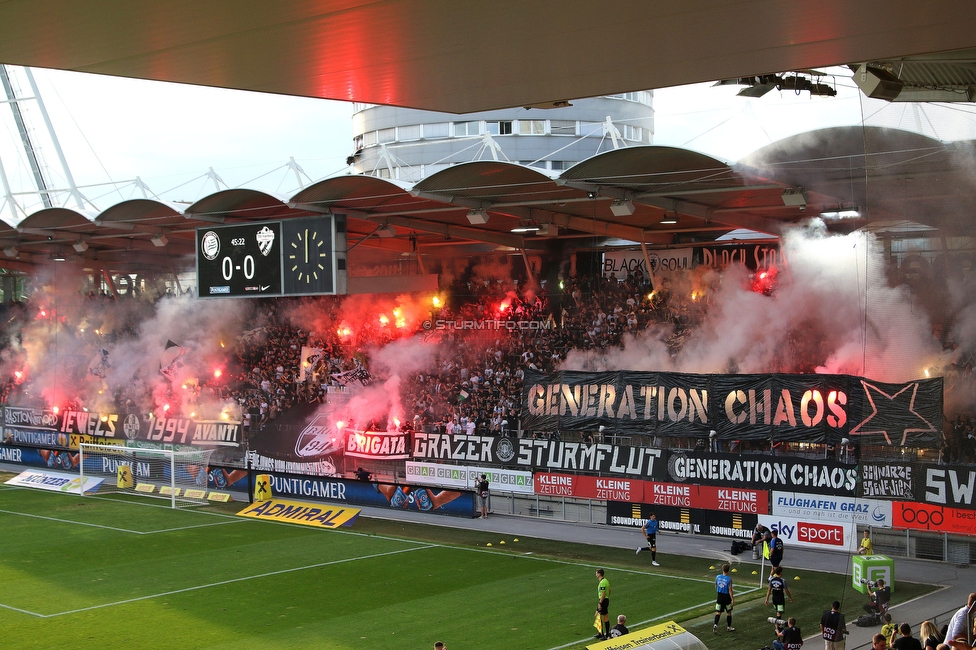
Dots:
pixel 115 528
pixel 68 521
pixel 650 620
pixel 22 611
pixel 233 580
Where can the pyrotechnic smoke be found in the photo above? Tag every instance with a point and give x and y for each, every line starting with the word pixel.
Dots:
pixel 832 311
pixel 65 332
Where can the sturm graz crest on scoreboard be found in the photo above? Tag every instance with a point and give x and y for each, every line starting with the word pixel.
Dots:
pixel 210 245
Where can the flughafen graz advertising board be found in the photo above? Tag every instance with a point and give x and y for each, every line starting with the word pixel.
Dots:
pixel 770 408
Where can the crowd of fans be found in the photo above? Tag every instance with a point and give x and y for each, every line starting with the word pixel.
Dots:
pixel 474 379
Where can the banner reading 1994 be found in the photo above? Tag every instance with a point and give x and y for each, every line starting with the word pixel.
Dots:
pixel 779 407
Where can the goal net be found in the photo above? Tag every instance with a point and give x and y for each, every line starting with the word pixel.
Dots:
pixel 177 476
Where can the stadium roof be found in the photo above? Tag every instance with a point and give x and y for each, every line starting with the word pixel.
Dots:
pixel 884 175
pixel 478 55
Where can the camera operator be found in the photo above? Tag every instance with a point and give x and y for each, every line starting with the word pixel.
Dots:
pixel 789 637
pixel 833 628
pixel 880 595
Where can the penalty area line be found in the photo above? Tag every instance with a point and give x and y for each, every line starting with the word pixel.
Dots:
pixel 233 581
pixel 115 528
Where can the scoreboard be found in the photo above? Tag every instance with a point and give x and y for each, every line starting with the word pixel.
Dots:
pixel 293 257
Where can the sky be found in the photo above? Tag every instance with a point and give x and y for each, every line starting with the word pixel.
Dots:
pixel 169 135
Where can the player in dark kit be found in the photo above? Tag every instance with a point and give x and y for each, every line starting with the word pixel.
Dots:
pixel 778 590
pixel 650 532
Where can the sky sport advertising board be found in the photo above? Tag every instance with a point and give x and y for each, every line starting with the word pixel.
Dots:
pixel 466 477
pixel 810 533
pixel 823 507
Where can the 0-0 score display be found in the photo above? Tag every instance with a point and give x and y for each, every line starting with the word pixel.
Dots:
pixel 239 260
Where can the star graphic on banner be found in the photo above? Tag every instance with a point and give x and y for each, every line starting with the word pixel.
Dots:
pixel 895 412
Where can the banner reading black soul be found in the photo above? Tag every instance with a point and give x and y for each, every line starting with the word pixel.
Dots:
pixel 778 407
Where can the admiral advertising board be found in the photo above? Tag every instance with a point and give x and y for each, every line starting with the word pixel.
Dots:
pixel 466 477
pixel 778 407
pixel 824 507
pixel 540 454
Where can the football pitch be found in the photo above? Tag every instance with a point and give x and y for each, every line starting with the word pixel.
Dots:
pixel 96 572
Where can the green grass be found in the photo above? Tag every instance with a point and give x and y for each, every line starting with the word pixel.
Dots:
pixel 97 573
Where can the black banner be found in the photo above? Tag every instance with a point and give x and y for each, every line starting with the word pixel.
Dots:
pixel 541 454
pixel 21 422
pixel 763 472
pixel 946 486
pixel 893 481
pixel 770 408
pixel 685 520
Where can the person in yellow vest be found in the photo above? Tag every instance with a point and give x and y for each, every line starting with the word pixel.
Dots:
pixel 866 547
pixel 603 604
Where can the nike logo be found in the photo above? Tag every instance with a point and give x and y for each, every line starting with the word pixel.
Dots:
pixel 265 287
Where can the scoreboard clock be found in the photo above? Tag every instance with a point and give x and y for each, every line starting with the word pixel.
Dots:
pixel 275 258
pixel 308 253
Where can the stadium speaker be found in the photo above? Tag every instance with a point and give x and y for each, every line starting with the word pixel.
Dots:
pixel 877 83
pixel 477 217
pixel 622 208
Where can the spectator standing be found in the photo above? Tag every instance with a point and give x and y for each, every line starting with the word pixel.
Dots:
pixel 929 635
pixel 888 629
pixel 833 627
pixel 866 547
pixel 958 633
pixel 906 641
pixel 483 495
pixel 650 533
pixel 724 599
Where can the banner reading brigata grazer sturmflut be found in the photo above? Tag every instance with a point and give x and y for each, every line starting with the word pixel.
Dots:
pixel 797 408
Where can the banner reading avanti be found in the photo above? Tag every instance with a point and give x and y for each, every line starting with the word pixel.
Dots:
pixel 776 407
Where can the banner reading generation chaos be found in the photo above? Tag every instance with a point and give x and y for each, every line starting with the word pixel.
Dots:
pixel 778 407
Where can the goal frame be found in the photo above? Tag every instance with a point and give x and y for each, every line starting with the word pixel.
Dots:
pixel 169 455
